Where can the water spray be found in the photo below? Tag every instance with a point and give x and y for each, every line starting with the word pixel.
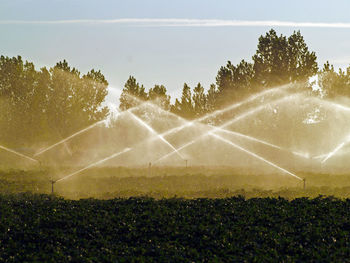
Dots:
pixel 254 139
pixel 257 109
pixel 94 164
pixel 238 104
pixel 334 151
pixel 227 123
pixel 178 149
pixel 198 120
pixel 215 113
pixel 80 132
pixel 255 155
pixel 330 104
pixel 144 124
pixel 69 137
pixel 19 154
pixel 161 136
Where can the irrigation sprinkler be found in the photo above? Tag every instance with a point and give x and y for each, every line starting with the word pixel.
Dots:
pixel 52 183
pixel 214 131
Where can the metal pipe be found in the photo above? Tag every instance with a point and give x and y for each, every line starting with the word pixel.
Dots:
pixel 52 183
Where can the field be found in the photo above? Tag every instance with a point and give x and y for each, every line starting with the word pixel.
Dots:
pixel 172 214
pixel 44 228
pixel 169 182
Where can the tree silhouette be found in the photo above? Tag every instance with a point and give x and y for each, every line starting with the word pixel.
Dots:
pixel 234 82
pixel 132 93
pixel 74 100
pixel 158 96
pixel 211 100
pixel 279 60
pixel 45 105
pixel 199 100
pixel 334 84
pixel 184 107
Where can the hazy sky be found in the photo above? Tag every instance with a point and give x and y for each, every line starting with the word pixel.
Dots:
pixel 201 36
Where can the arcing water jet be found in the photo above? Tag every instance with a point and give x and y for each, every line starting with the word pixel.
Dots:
pixel 333 152
pixel 80 132
pixel 70 137
pixel 255 155
pixel 178 149
pixel 156 135
pixel 94 164
pixel 160 136
pixel 330 104
pixel 238 104
pixel 18 154
pixel 227 123
pixel 258 108
pixel 189 123
pixel 215 113
pixel 250 138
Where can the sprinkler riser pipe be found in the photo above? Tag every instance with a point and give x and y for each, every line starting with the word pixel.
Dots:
pixel 52 188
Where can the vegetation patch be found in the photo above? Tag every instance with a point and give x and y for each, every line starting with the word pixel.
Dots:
pixel 50 229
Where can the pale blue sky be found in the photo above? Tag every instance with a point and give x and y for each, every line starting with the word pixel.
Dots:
pixel 156 53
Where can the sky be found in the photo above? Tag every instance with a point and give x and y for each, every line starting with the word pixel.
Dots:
pixel 162 41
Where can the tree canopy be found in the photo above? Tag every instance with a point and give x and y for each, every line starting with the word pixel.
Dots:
pixel 279 60
pixel 132 93
pixel 334 83
pixel 46 105
pixel 39 106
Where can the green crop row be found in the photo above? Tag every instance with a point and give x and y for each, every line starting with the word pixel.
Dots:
pixel 43 228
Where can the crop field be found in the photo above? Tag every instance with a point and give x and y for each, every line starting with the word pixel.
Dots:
pixel 137 215
pixel 44 228
pixel 168 182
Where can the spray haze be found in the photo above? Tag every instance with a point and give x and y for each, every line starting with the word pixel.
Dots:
pixel 148 135
pixel 277 116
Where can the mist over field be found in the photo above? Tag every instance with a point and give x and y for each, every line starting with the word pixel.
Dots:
pixel 281 115
pixel 147 132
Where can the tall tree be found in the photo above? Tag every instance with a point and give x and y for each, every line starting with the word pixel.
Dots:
pixel 211 100
pixel 334 83
pixel 158 95
pixel 199 100
pixel 279 60
pixel 42 106
pixel 18 81
pixel 233 82
pixel 75 101
pixel 132 93
pixel 184 107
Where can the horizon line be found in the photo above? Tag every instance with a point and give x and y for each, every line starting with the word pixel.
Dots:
pixel 182 22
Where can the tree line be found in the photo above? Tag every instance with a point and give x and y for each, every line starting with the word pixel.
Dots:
pixel 40 106
pixel 278 60
pixel 48 104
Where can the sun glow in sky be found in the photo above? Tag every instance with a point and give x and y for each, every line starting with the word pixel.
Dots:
pixel 166 42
